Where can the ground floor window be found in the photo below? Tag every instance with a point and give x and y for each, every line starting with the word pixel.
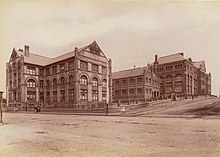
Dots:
pixel 54 96
pixel 31 95
pixel 41 96
pixel 62 95
pixel 94 95
pixel 48 97
pixel 83 94
pixel 104 95
pixel 71 95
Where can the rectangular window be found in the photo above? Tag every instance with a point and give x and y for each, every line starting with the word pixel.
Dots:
pixel 104 70
pixel 62 95
pixel 139 80
pixel 41 83
pixel 31 96
pixel 62 67
pixel 104 95
pixel 54 69
pixel 139 90
pixel 94 95
pixel 41 96
pixel 83 94
pixel 124 82
pixel 70 65
pixel 48 71
pixel 131 81
pixel 83 65
pixel 71 95
pixel 95 68
pixel 48 97
pixel 124 92
pixel 54 96
pixel 132 91
pixel 31 70
pixel 41 72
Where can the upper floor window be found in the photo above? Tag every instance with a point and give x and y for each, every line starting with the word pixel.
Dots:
pixel 31 70
pixel 71 79
pixel 41 83
pixel 139 80
pixel 54 81
pixel 62 80
pixel 48 71
pixel 62 67
pixel 94 82
pixel 95 67
pixel 54 69
pixel 131 81
pixel 104 70
pixel 83 80
pixel 83 65
pixel 104 83
pixel 70 65
pixel 41 72
pixel 31 83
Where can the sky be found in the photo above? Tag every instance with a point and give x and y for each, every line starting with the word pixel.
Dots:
pixel 128 32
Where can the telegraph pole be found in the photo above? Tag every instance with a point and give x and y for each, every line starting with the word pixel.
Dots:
pixel 1 121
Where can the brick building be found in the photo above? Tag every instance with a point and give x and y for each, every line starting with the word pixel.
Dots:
pixel 181 76
pixel 135 85
pixel 79 79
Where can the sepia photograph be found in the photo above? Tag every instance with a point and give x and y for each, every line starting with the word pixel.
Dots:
pixel 109 78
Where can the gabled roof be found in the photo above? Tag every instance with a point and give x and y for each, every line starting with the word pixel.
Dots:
pixel 200 65
pixel 34 58
pixel 129 73
pixel 170 58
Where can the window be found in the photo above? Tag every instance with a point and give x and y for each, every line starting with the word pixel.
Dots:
pixel 62 67
pixel 131 81
pixel 104 95
pixel 48 97
pixel 94 82
pixel 41 96
pixel 71 79
pixel 62 80
pixel 31 95
pixel 117 92
pixel 71 95
pixel 95 68
pixel 54 69
pixel 124 82
pixel 139 80
pixel 139 90
pixel 70 65
pixel 83 80
pixel 83 65
pixel 94 95
pixel 19 81
pixel 54 96
pixel 47 83
pixel 41 83
pixel 104 70
pixel 104 83
pixel 31 70
pixel 83 94
pixel 41 72
pixel 132 91
pixel 54 82
pixel 62 95
pixel 124 92
pixel 47 71
pixel 31 83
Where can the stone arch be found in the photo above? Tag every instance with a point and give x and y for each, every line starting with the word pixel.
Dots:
pixel 104 82
pixel 95 81
pixel 71 79
pixel 84 79
pixel 54 81
pixel 29 78
pixel 87 76
pixel 95 76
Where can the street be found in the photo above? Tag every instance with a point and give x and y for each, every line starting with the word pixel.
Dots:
pixel 83 135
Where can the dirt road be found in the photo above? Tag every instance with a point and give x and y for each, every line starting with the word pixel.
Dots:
pixel 99 136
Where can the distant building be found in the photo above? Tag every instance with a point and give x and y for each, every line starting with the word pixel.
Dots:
pixel 79 79
pixel 135 85
pixel 181 76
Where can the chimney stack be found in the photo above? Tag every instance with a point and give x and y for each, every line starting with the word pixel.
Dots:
pixel 26 50
pixel 182 54
pixel 156 59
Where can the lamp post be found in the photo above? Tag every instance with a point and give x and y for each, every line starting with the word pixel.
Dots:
pixel 1 121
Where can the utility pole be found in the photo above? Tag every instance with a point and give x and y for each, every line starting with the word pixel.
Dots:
pixel 1 121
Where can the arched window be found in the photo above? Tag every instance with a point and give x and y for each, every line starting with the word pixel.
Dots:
pixel 31 83
pixel 71 79
pixel 104 83
pixel 83 80
pixel 62 80
pixel 54 81
pixel 94 81
pixel 47 83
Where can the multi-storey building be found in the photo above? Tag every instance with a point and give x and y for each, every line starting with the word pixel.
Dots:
pixel 181 76
pixel 78 79
pixel 135 85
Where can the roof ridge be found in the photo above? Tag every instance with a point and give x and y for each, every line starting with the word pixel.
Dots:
pixel 171 55
pixel 130 69
pixel 40 55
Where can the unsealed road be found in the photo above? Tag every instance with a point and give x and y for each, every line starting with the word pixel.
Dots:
pixel 99 136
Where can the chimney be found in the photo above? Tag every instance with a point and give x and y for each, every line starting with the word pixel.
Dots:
pixel 134 66
pixel 182 54
pixel 156 59
pixel 76 51
pixel 26 50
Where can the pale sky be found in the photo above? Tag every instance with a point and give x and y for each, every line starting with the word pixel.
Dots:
pixel 128 32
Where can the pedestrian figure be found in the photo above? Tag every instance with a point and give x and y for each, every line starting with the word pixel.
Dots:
pixel 123 110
